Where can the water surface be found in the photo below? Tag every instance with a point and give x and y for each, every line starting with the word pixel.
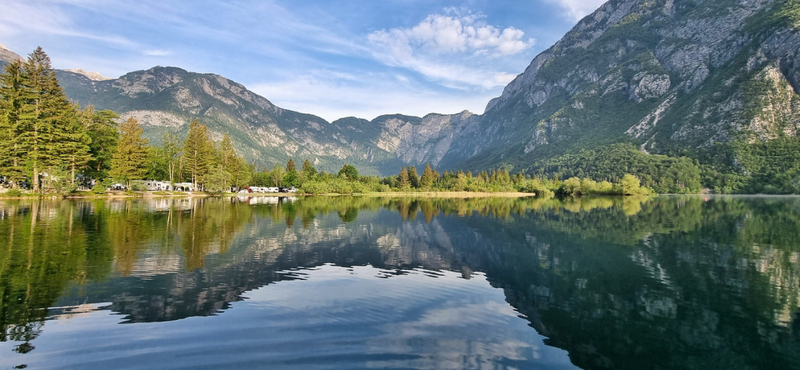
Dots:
pixel 381 283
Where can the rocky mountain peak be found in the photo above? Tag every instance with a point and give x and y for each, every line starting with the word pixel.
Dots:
pixel 94 76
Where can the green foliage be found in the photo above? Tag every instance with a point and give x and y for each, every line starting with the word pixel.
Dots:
pixel 130 160
pixel 99 189
pixel 12 193
pixel 102 128
pixel 661 173
pixel 218 180
pixel 198 150
pixel 349 171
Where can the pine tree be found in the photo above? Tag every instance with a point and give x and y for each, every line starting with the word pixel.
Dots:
pixel 74 145
pixel 172 151
pixel 197 152
pixel 43 133
pixel 102 128
pixel 412 177
pixel 15 107
pixel 402 179
pixel 308 169
pixel 227 154
pixel 427 177
pixel 290 166
pixel 130 160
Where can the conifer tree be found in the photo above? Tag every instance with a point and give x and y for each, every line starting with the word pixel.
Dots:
pixel 427 177
pixel 172 151
pixel 102 128
pixel 15 108
pixel 43 133
pixel 73 145
pixel 308 169
pixel 197 152
pixel 402 179
pixel 130 160
pixel 227 154
pixel 412 177
pixel 290 166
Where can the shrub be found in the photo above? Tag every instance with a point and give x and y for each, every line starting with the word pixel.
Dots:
pixel 99 189
pixel 13 193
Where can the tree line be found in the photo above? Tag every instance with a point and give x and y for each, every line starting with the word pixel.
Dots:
pixel 46 141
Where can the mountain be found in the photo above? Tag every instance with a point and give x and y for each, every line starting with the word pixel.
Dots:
pixel 671 77
pixel 714 80
pixel 7 55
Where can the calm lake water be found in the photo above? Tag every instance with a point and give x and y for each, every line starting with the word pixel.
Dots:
pixel 355 283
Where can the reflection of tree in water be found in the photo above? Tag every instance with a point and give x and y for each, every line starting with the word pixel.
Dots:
pixel 618 282
pixel 43 249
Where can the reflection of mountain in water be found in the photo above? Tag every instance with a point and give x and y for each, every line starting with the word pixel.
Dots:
pixel 663 283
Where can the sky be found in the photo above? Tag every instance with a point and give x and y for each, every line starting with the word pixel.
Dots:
pixel 331 58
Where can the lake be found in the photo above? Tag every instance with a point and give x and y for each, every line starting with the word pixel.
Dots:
pixel 400 283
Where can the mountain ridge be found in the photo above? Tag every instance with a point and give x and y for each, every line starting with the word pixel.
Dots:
pixel 671 77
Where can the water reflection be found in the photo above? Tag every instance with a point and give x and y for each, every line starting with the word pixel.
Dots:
pixel 667 282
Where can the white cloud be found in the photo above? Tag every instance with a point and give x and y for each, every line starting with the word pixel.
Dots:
pixel 332 96
pixel 577 9
pixel 439 46
pixel 157 52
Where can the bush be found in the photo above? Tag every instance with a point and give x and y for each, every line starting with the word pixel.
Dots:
pixel 99 189
pixel 13 193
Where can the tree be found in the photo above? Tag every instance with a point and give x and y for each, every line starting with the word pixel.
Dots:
pixel 15 107
pixel 102 128
pixel 290 166
pixel 349 171
pixel 73 146
pixel 402 179
pixel 276 175
pixel 218 180
pixel 243 175
pixel 45 132
pixel 308 170
pixel 172 152
pixel 427 177
pixel 412 177
pixel 197 152
pixel 130 159
pixel 227 155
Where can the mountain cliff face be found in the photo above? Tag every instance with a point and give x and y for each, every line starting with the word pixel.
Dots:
pixel 168 99
pixel 675 77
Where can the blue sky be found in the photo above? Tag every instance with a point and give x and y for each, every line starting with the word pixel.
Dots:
pixel 332 58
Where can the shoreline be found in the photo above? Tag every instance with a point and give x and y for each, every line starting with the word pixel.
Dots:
pixel 151 195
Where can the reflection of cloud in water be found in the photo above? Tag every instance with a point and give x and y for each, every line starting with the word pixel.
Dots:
pixel 409 320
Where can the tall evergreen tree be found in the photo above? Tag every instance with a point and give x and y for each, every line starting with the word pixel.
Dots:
pixel 172 151
pixel 402 179
pixel 290 166
pixel 197 152
pixel 45 134
pixel 227 155
pixel 308 169
pixel 412 177
pixel 74 144
pixel 427 177
pixel 102 128
pixel 130 159
pixel 15 108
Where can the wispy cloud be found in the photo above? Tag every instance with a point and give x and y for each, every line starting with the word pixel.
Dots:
pixel 433 46
pixel 577 9
pixel 331 95
pixel 157 52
